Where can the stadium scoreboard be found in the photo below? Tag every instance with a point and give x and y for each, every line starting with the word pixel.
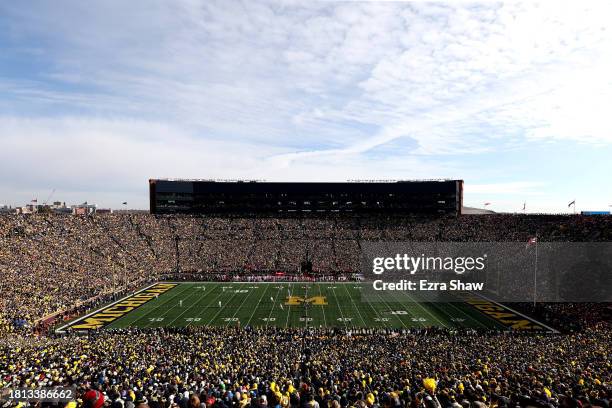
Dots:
pixel 443 197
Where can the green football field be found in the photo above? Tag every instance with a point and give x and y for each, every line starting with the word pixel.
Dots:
pixel 287 304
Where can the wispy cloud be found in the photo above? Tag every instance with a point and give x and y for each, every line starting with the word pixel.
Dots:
pixel 298 89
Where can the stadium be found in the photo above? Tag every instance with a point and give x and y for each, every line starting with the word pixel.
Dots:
pixel 305 204
pixel 251 294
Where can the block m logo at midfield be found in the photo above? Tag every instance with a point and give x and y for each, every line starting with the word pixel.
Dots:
pixel 314 300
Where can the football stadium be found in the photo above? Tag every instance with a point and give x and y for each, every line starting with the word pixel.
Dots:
pixel 237 294
pixel 305 204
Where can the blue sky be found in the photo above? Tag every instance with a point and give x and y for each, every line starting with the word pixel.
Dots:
pixel 514 98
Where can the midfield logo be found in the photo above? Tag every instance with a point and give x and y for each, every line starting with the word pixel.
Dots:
pixel 315 300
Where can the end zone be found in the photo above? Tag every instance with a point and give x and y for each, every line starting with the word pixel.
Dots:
pixel 505 315
pixel 109 313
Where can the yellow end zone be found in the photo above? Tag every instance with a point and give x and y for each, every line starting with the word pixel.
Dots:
pixel 114 311
pixel 506 316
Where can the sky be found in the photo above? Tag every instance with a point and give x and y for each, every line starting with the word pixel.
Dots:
pixel 514 98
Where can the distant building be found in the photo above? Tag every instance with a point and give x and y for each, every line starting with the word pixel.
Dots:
pixel 58 207
pixel 440 197
pixel 84 209
pixel 27 209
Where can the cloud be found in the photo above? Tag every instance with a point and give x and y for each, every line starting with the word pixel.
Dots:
pixel 108 156
pixel 334 90
pixel 105 161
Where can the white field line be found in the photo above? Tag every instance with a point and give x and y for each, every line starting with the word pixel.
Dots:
pixel 197 303
pixel 426 310
pixel 280 287
pixel 322 307
pixel 339 307
pixel 399 317
pixel 355 306
pixel 163 316
pixel 221 308
pixel 244 300
pixel 194 304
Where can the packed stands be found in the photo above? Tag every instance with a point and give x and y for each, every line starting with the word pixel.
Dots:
pixel 50 263
pixel 59 265
pixel 238 367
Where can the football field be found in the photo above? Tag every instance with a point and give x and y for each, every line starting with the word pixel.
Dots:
pixel 295 304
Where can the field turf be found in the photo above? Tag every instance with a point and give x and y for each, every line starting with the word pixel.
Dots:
pixel 294 304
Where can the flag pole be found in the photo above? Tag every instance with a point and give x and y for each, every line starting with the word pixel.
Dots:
pixel 535 272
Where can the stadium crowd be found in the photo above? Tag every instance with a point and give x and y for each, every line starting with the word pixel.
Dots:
pixel 50 263
pixel 59 264
pixel 319 368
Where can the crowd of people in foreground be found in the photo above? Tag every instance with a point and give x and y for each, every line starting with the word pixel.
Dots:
pixel 51 263
pixel 318 368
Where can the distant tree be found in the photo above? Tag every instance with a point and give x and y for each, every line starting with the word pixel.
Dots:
pixel 44 209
